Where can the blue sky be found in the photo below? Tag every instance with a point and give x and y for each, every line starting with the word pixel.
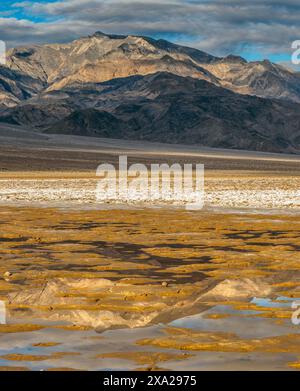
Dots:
pixel 11 8
pixel 254 29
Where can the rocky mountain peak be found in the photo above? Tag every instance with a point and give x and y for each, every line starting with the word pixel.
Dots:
pixel 101 57
pixel 233 59
pixel 134 86
pixel 100 34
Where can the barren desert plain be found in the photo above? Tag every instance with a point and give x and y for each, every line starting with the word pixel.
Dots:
pixel 140 286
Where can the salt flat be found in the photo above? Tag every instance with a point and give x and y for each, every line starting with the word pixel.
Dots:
pixel 222 190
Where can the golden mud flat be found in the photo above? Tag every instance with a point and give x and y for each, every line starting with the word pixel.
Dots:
pixel 148 289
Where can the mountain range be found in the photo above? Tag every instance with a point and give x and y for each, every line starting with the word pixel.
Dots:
pixel 133 87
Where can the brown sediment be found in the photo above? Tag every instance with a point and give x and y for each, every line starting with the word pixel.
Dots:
pixel 265 312
pixel 191 340
pixel 62 369
pixel 217 316
pixel 33 357
pixel 45 344
pixel 295 365
pixel 72 327
pixel 146 358
pixel 19 328
pixel 13 369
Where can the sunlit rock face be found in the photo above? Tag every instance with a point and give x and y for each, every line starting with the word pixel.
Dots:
pixel 132 87
pixel 104 57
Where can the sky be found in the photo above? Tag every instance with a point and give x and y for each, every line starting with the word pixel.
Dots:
pixel 254 29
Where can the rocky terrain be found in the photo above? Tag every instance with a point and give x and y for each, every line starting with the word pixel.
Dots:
pixel 138 88
pixel 103 57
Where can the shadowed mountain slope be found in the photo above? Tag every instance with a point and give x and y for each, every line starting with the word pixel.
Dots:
pixel 140 88
pixel 168 108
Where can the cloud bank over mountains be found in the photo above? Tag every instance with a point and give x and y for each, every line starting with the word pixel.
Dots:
pixel 255 29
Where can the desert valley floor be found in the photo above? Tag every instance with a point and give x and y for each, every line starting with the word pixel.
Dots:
pixel 87 287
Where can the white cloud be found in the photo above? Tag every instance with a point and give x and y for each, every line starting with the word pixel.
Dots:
pixel 217 26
